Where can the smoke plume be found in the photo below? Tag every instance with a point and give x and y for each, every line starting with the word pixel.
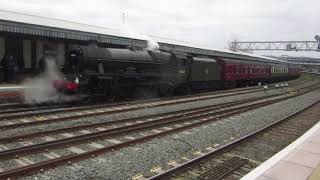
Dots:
pixel 40 89
pixel 151 43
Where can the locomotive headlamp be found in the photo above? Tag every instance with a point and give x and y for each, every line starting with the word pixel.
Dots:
pixel 76 80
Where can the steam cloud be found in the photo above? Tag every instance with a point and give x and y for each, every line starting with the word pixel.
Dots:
pixel 40 89
pixel 151 43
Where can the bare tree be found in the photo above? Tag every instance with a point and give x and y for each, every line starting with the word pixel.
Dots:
pixel 233 43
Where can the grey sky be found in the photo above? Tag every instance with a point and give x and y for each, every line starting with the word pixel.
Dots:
pixel 209 22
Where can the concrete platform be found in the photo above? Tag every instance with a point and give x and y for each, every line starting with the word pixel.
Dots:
pixel 298 161
pixel 11 87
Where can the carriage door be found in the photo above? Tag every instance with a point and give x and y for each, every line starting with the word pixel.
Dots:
pixel 183 68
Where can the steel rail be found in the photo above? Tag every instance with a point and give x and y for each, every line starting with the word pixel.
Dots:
pixel 167 174
pixel 99 124
pixel 11 115
pixel 76 157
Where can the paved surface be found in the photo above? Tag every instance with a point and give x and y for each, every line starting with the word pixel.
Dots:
pixel 299 161
pixel 10 87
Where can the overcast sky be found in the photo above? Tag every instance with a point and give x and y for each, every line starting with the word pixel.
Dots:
pixel 209 22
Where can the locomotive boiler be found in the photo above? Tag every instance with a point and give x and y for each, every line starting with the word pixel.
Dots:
pixel 112 72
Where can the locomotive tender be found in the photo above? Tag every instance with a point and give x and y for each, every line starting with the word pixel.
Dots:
pixel 113 72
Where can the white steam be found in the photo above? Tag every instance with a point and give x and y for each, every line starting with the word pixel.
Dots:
pixel 41 89
pixel 151 43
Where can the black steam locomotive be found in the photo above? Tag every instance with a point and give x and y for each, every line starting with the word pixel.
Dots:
pixel 124 72
pixel 112 72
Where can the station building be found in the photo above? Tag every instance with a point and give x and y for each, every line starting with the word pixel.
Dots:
pixel 28 38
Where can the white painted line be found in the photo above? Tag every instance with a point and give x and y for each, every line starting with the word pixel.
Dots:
pixel 67 135
pixel 96 145
pixel 280 155
pixel 76 150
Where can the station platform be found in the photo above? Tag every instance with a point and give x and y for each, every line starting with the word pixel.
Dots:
pixel 10 91
pixel 298 161
pixel 11 87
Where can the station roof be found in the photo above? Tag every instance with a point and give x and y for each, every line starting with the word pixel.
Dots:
pixel 13 22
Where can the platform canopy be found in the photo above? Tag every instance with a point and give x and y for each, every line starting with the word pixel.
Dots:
pixel 31 25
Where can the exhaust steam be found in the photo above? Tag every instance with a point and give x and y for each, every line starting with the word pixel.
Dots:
pixel 40 89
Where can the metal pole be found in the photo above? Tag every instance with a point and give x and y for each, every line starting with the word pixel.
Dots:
pixel 123 18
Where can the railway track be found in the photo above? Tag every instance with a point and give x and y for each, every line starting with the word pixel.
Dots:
pixel 11 109
pixel 33 155
pixel 239 157
pixel 11 121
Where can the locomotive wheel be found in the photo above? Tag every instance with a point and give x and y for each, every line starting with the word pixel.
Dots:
pixel 183 90
pixel 144 93
pixel 110 91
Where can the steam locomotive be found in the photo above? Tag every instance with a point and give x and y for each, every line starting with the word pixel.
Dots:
pixel 114 72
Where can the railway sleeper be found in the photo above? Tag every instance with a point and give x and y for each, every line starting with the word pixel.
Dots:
pixel 226 168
